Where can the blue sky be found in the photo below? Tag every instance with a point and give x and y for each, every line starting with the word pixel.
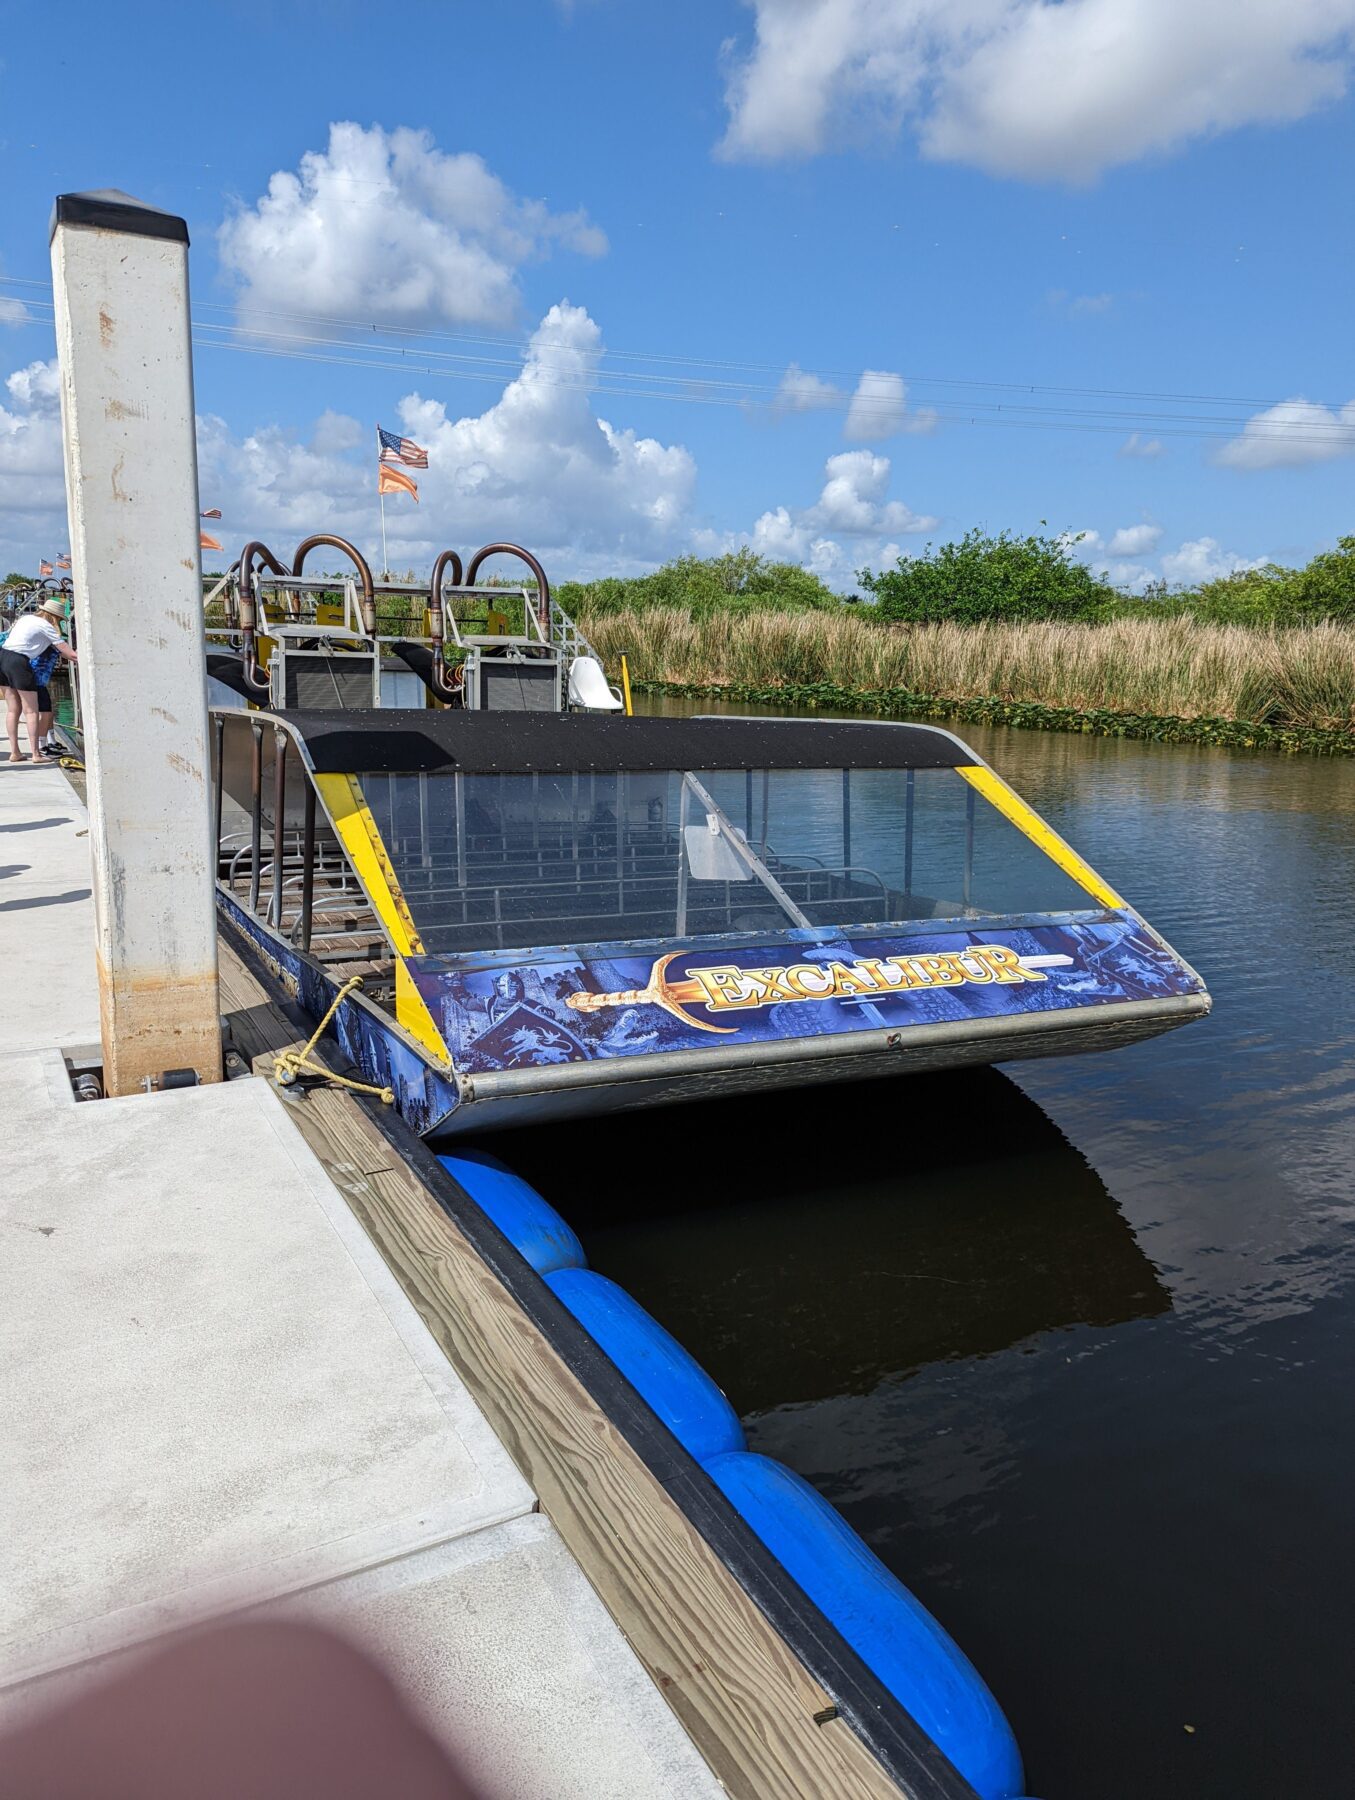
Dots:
pixel 736 210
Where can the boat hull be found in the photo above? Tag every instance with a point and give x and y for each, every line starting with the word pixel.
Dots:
pixel 516 1097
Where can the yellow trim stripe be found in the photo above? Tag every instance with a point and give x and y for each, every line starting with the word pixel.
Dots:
pixel 361 839
pixel 357 829
pixel 1013 807
pixel 411 1012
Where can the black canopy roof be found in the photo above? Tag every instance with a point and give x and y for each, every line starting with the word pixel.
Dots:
pixel 420 742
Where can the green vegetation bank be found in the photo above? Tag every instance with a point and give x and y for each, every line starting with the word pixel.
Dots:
pixel 1002 630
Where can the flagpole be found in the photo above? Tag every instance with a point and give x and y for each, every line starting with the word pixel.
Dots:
pixel 380 494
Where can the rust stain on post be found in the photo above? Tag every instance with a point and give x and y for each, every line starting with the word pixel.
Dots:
pixel 183 765
pixel 142 1024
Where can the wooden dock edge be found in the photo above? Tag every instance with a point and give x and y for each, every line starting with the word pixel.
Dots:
pixel 776 1701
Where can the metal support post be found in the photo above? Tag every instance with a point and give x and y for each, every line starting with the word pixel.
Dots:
pixel 279 825
pixel 308 867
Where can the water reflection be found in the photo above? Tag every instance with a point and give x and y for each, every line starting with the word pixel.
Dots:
pixel 807 1247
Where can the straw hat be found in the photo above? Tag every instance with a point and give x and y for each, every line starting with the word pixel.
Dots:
pixel 54 609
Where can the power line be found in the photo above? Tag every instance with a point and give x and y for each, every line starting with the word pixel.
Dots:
pixel 747 396
pixel 1093 421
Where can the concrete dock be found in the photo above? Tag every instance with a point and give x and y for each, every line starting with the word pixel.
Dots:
pixel 218 1398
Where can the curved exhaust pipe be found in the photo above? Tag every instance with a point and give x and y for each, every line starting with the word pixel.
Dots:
pixel 359 562
pixel 254 552
pixel 436 620
pixel 542 585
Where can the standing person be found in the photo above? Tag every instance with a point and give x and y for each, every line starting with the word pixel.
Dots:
pixel 30 653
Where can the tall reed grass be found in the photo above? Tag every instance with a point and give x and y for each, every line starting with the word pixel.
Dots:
pixel 1301 677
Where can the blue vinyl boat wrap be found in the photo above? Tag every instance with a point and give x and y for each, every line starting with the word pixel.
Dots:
pixel 545 1007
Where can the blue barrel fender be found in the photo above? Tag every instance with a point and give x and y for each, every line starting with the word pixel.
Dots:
pixel 530 1224
pixel 893 1633
pixel 671 1381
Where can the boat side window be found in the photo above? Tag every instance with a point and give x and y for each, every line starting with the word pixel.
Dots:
pixel 501 861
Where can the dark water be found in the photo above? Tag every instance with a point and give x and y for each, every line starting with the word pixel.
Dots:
pixel 1069 1343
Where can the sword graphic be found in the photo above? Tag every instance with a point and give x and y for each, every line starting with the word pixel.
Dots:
pixel 675 996
pixel 670 995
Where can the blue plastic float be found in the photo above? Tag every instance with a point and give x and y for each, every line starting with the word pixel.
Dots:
pixel 892 1633
pixel 530 1224
pixel 665 1375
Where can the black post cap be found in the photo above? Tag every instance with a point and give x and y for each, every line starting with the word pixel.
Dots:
pixel 111 210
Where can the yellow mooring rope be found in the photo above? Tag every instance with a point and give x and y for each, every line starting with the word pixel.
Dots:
pixel 288 1064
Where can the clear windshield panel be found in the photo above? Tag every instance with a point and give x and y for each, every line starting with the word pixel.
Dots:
pixel 490 862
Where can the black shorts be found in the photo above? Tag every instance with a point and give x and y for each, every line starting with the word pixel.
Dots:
pixel 17 672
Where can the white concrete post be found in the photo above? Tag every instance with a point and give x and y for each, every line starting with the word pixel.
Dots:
pixel 120 275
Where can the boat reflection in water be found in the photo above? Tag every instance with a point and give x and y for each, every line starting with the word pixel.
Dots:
pixel 804 1251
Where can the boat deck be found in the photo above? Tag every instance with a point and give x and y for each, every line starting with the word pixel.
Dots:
pixel 222 1399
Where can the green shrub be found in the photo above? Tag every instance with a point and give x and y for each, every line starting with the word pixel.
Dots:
pixel 739 581
pixel 982 578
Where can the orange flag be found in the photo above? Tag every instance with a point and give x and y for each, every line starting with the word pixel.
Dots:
pixel 390 480
pixel 207 543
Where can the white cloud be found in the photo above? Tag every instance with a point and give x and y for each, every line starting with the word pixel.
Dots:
pixel 1079 306
pixel 538 467
pixel 36 388
pixel 1134 540
pixel 1198 559
pixel 1290 435
pixel 1204 559
pixel 14 312
pixel 852 504
pixel 32 482
pixel 1132 578
pixel 799 391
pixel 879 409
pixel 384 226
pixel 336 431
pixel 853 497
pixel 541 460
pixel 1028 87
pixel 271 484
pixel 1135 445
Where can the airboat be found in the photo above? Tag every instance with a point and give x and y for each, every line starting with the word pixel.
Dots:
pixel 432 807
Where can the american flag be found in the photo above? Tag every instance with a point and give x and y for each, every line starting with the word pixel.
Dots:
pixel 44 568
pixel 401 449
pixel 64 560
pixel 212 512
